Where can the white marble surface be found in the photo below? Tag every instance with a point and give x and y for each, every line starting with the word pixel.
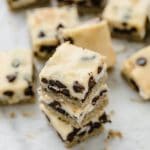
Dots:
pixel 131 117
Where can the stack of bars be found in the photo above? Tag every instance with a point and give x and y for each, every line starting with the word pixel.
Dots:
pixel 73 93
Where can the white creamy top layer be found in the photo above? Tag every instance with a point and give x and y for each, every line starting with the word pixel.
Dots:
pixel 70 64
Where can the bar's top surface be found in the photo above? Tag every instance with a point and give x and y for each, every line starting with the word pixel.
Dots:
pixel 73 69
pixel 16 71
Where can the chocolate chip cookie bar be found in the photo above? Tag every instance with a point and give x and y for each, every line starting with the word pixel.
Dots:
pixel 93 35
pixel 44 24
pixel 136 71
pixel 73 72
pixel 17 4
pixel 71 135
pixel 77 116
pixel 16 77
pixel 127 18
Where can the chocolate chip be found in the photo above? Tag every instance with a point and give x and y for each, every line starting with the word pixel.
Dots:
pixel 141 61
pixel 95 2
pixel 71 136
pixel 125 31
pixel 103 92
pixel 15 63
pixel 66 92
pixel 134 85
pixel 124 24
pixel 44 80
pixel 11 77
pixel 8 93
pixel 28 91
pixel 82 133
pixel 99 69
pixel 48 48
pixel 87 58
pixel 69 39
pixel 55 104
pixel 77 87
pixel 94 126
pixel 41 34
pixel 104 119
pixel 60 26
pixel 91 82
pixel 95 99
pixel 56 83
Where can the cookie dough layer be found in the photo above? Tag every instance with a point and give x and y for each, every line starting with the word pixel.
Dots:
pixel 76 115
pixel 75 74
pixel 44 24
pixel 71 135
pixel 127 18
pixel 136 70
pixel 17 4
pixel 93 35
pixel 16 77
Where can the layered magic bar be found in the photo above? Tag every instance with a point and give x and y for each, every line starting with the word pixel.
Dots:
pixel 71 135
pixel 72 72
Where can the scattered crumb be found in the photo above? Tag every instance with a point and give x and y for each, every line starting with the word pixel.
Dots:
pixel 12 115
pixel 30 135
pixel 114 134
pixel 27 114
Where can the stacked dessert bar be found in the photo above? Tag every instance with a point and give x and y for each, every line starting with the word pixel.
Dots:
pixel 73 93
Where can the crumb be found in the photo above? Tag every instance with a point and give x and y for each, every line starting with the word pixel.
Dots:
pixel 30 135
pixel 27 114
pixel 114 134
pixel 12 115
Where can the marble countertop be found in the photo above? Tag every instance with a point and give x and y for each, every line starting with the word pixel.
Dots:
pixel 23 127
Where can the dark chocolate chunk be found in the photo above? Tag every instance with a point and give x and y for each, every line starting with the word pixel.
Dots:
pixel 44 80
pixel 94 126
pixel 135 86
pixel 66 92
pixel 125 31
pixel 95 2
pixel 124 24
pixel 87 58
pixel 77 87
pixel 29 91
pixel 91 82
pixel 60 26
pixel 15 63
pixel 8 93
pixel 57 106
pixel 99 69
pixel 103 92
pixel 95 99
pixel 57 83
pixel 82 133
pixel 141 61
pixel 11 77
pixel 41 34
pixel 104 119
pixel 71 136
pixel 69 39
pixel 48 48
